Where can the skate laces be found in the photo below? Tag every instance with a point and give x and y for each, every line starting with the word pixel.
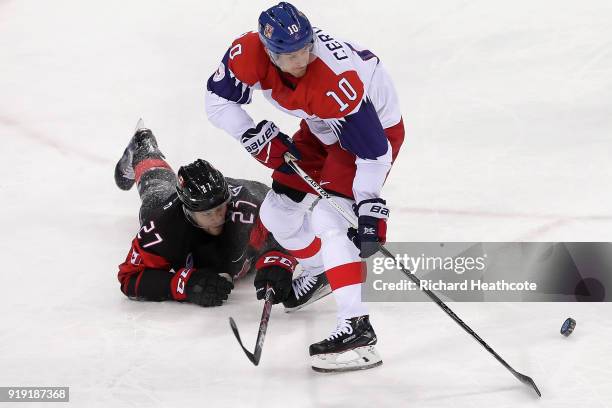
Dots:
pixel 343 327
pixel 303 284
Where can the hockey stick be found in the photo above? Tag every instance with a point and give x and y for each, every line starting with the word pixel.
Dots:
pixel 263 326
pixel 352 220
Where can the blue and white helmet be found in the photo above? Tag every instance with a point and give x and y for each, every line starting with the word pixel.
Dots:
pixel 283 29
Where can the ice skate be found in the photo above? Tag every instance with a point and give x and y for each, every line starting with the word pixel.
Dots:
pixel 350 347
pixel 306 289
pixel 143 143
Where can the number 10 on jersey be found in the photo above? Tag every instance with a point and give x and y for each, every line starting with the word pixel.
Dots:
pixel 347 91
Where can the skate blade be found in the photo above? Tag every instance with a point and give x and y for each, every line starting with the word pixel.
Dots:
pixel 324 291
pixel 361 358
pixel 139 125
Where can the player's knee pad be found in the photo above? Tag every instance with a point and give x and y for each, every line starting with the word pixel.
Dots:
pixel 326 218
pixel 331 227
pixel 281 215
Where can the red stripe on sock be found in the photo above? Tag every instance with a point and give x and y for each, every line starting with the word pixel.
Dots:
pixel 347 274
pixel 148 164
pixel 310 250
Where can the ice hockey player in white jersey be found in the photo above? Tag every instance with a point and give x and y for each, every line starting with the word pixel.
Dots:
pixel 350 133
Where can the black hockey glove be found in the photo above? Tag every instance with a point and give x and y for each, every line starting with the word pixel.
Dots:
pixel 268 144
pixel 372 228
pixel 201 288
pixel 274 268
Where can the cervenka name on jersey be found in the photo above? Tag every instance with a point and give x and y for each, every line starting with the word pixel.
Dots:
pixel 345 96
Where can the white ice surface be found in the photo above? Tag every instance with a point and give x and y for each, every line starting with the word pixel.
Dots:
pixel 508 109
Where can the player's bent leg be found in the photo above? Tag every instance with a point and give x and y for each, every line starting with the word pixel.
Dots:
pixel 155 186
pixel 290 223
pixel 286 220
pixel 312 284
pixel 155 179
pixel 143 164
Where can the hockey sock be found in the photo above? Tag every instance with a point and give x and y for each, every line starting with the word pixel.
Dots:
pixel 345 281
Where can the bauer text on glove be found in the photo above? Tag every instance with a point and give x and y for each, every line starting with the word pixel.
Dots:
pixel 372 226
pixel 268 145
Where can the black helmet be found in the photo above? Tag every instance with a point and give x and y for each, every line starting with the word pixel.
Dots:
pixel 201 187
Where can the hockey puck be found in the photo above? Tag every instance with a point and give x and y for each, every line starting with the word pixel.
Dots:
pixel 568 327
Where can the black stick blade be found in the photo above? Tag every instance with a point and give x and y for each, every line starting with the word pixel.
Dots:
pixel 250 355
pixel 527 381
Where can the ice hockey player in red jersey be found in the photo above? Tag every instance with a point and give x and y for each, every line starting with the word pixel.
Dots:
pixel 199 231
pixel 350 133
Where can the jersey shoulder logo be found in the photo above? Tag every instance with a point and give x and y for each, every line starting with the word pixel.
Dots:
pixel 235 190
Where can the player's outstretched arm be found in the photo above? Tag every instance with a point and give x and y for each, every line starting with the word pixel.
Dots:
pixel 144 275
pixel 186 285
pixel 147 276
